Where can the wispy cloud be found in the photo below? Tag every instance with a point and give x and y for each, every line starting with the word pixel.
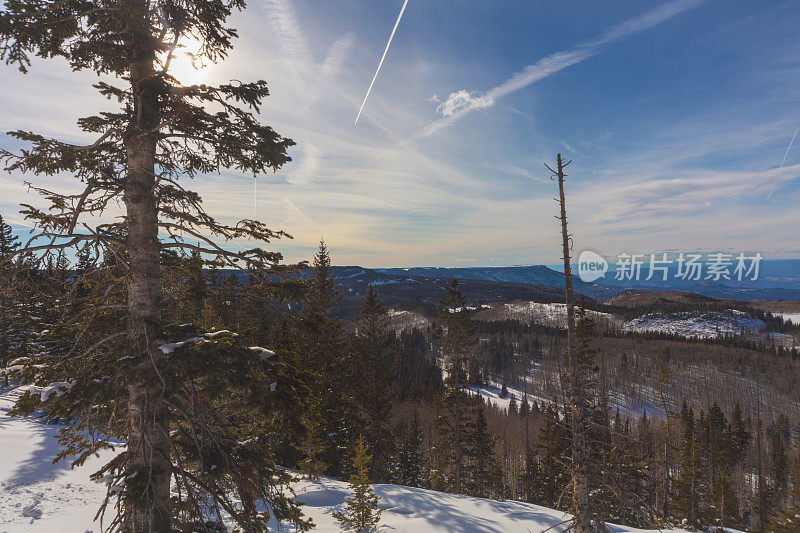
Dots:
pixel 461 103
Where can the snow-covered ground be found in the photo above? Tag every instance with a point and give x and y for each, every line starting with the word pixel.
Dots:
pixel 549 314
pixel 696 323
pixel 794 318
pixel 400 320
pixel 37 495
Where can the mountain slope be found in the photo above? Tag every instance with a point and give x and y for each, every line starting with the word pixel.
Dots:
pixel 37 495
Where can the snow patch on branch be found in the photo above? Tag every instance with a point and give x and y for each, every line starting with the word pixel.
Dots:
pixel 59 388
pixel 10 369
pixel 172 346
pixel 220 333
pixel 263 353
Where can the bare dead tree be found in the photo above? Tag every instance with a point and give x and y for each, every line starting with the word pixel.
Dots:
pixel 583 521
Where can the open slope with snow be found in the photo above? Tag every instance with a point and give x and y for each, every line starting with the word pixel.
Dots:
pixel 700 324
pixel 37 495
pixel 548 314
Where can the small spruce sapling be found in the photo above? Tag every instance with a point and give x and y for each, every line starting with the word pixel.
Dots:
pixel 361 511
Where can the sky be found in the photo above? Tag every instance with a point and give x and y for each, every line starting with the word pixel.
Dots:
pixel 677 116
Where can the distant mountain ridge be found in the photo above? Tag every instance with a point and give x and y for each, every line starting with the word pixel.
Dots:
pixel 779 280
pixel 531 274
pixel 542 283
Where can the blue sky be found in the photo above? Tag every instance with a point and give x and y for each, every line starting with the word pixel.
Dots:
pixel 677 116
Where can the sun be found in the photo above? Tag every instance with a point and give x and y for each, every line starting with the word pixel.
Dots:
pixel 186 67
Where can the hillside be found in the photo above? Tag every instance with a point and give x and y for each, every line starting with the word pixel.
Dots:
pixel 37 495
pixel 696 324
pixel 641 297
pixel 530 274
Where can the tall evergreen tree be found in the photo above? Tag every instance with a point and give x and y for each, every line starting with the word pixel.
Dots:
pixel 481 471
pixel 457 338
pixel 787 518
pixel 321 348
pixel 376 390
pixel 554 451
pixel 409 462
pixel 689 490
pixel 162 133
pixel 8 241
pixel 8 246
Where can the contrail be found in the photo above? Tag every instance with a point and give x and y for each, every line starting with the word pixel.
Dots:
pixel 783 161
pixel 255 198
pixel 789 148
pixel 18 223
pixel 397 22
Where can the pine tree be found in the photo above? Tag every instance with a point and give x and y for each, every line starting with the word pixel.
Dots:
pixel 163 133
pixel 787 518
pixel 530 480
pixel 321 348
pixel 554 451
pixel 780 468
pixel 409 462
pixel 361 511
pixel 524 408
pixel 195 288
pixel 512 406
pixel 457 337
pixel 376 368
pixel 322 296
pixel 8 246
pixel 481 469
pixel 8 241
pixel 689 493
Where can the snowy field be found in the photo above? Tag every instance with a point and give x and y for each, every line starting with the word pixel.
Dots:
pixel 794 318
pixel 698 324
pixel 401 320
pixel 37 495
pixel 548 314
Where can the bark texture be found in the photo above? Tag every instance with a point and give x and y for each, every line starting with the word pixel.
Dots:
pixel 578 409
pixel 148 446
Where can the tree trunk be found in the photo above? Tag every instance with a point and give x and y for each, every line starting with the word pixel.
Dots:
pixel 457 397
pixel 580 484
pixel 148 492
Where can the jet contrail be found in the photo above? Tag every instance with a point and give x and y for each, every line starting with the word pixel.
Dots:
pixel 397 22
pixel 783 161
pixel 789 147
pixel 255 198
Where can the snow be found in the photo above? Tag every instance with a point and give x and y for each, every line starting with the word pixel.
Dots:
pixel 172 346
pixel 549 314
pixel 37 495
pixel 220 333
pixel 58 388
pixel 401 320
pixel 263 353
pixel 696 323
pixel 794 318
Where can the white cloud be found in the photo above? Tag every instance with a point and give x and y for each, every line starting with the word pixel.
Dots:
pixel 461 99
pixel 464 102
